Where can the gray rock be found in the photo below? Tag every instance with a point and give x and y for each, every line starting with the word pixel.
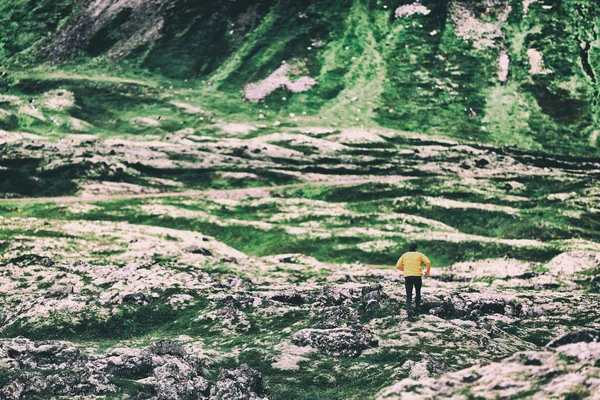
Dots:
pixel 461 307
pixel 234 282
pixel 126 363
pixel 342 278
pixel 482 162
pixel 194 249
pixel 335 296
pixel 59 292
pixel 348 341
pixel 55 368
pixel 582 335
pixel 134 299
pixel 44 354
pixel 241 301
pixel 167 347
pixel 231 318
pixel 337 316
pixel 176 380
pixel 287 296
pixel 242 383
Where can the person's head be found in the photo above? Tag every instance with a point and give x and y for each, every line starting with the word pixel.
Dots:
pixel 413 246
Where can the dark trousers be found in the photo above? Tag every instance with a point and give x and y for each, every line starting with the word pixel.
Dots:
pixel 409 283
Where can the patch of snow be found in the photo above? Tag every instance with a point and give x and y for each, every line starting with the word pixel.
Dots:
pixel 238 129
pixel 447 203
pixel 526 4
pixel 356 135
pixel 58 100
pixel 82 208
pixel 299 139
pixel 410 10
pixel 503 66
pixel 561 196
pixel 288 362
pixel 113 188
pixel 145 122
pixel 237 175
pixel 29 109
pixel 568 264
pixel 79 125
pixel 536 63
pixel 255 92
pixel 188 108
pixel 470 27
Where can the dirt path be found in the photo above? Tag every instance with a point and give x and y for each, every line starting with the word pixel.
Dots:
pixel 210 194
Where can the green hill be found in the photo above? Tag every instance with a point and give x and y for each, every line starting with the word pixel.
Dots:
pixel 505 72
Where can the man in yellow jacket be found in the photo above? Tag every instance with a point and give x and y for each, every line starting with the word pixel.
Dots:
pixel 410 264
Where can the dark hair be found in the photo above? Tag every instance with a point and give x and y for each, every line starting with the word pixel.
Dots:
pixel 413 246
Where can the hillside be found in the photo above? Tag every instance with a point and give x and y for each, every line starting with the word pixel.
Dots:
pixel 505 72
pixel 206 200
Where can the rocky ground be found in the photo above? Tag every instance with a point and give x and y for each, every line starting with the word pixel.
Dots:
pixel 206 200
pixel 247 265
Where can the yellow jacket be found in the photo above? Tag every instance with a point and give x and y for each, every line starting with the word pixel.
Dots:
pixel 410 263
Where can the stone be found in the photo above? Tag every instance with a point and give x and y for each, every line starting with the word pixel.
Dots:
pixel 59 292
pixel 348 341
pixel 582 335
pixel 234 282
pixel 337 316
pixel 482 162
pixel 134 299
pixel 194 249
pixel 167 347
pixel 242 383
pixel 334 296
pixel 288 297
pixel 230 318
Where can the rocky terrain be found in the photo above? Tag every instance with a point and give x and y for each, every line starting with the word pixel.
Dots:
pixel 194 266
pixel 208 201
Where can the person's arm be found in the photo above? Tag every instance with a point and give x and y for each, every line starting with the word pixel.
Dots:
pixel 427 264
pixel 400 264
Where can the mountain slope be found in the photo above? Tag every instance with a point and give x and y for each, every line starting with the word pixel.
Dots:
pixel 508 72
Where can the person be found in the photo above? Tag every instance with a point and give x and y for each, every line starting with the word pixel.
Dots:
pixel 410 265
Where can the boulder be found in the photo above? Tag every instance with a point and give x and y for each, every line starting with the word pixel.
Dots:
pixel 43 354
pixel 336 316
pixel 230 318
pixel 482 162
pixel 287 296
pixel 177 380
pixel 241 301
pixel 134 299
pixel 242 383
pixel 51 368
pixel 234 282
pixel 568 264
pixel 125 363
pixel 59 292
pixel 348 341
pixel 194 249
pixel 463 307
pixel 582 335
pixel 335 296
pixel 167 347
